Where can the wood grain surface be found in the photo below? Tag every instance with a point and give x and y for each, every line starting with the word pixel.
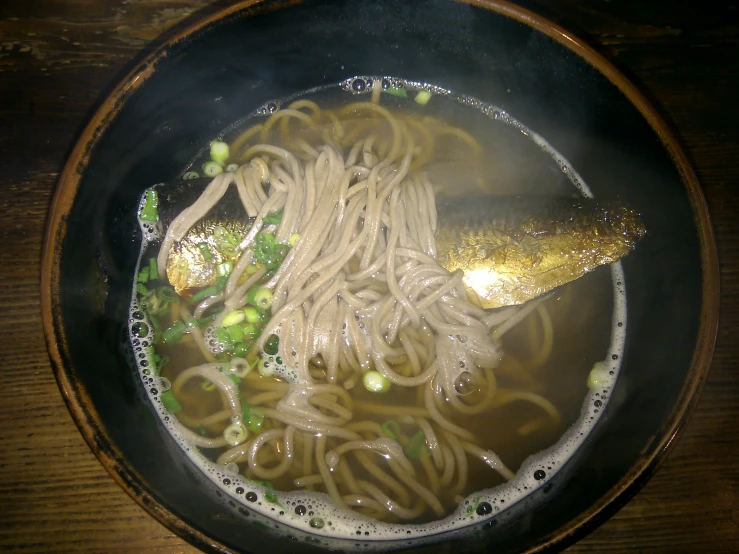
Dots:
pixel 59 57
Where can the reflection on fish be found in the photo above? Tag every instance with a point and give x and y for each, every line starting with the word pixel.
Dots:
pixel 513 249
pixel 193 262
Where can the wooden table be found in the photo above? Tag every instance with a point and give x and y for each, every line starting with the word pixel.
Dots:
pixel 57 59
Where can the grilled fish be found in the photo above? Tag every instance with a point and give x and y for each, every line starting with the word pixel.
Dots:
pixel 193 262
pixel 513 249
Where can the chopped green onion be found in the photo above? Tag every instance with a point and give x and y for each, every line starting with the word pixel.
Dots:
pixel 236 333
pixel 265 484
pixel 241 349
pixel 251 314
pixel 207 385
pixel 175 333
pixel 210 291
pixel 153 305
pixel 423 97
pixel 191 175
pixel 266 239
pixel 235 378
pixel 143 275
pixel 473 505
pixel 235 434
pixel 249 330
pixel 391 429
pixel 204 320
pixel 219 151
pixel 401 92
pixel 263 298
pixel 415 445
pixel 374 381
pixel 211 169
pixel 153 271
pixel 225 268
pixel 142 290
pixel 267 251
pixel 205 251
pixel 272 344
pixel 159 363
pixel 232 167
pixel 201 430
pixel 229 250
pixel 169 402
pixel 598 376
pixel 293 240
pixel 273 218
pixel 264 315
pixel 234 318
pixel 265 368
pixel 233 238
pixel 271 497
pixel 223 336
pixel 256 419
pixel 150 211
pixel 168 294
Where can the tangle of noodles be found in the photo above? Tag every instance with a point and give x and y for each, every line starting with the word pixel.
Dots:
pixel 360 290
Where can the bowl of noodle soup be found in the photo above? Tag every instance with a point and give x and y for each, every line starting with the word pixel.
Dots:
pixel 250 302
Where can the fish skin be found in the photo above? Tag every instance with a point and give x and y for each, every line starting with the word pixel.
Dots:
pixel 513 249
pixel 187 269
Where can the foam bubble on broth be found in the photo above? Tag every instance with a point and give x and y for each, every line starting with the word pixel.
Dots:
pixel 314 513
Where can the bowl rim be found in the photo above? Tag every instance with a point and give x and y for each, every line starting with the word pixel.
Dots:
pixel 80 404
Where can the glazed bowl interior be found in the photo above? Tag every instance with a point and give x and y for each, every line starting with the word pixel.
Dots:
pixel 218 71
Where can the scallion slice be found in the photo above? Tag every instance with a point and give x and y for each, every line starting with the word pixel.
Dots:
pixel 391 428
pixel 167 294
pixel 235 434
pixel 415 445
pixel 273 218
pixel 401 92
pixel 205 251
pixel 256 419
pixel 211 169
pixel 142 290
pixel 225 268
pixel 251 314
pixel 173 334
pixel 263 298
pixel 150 211
pixel 423 97
pixel 219 151
pixel 170 403
pixel 374 381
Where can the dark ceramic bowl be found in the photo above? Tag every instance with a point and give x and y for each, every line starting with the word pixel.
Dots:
pixel 221 68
